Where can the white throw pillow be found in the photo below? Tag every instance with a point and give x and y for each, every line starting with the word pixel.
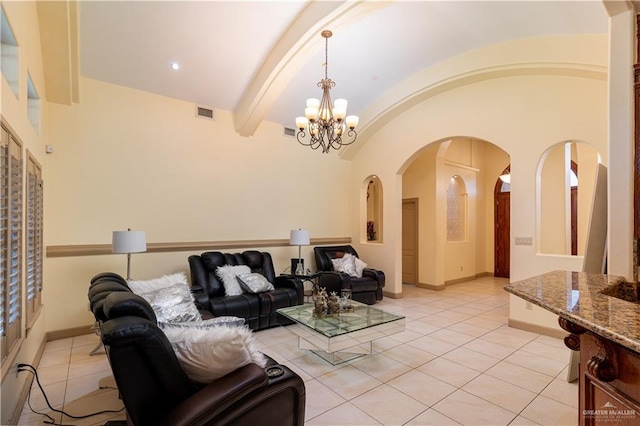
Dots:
pixel 228 274
pixel 344 264
pixel 208 354
pixel 360 265
pixel 254 283
pixel 144 286
pixel 173 304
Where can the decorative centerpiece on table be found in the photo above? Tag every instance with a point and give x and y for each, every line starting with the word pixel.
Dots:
pixel 329 304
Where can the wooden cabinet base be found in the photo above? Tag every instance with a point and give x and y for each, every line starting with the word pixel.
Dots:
pixel 609 383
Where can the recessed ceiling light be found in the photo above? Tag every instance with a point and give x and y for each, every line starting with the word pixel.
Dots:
pixel 175 66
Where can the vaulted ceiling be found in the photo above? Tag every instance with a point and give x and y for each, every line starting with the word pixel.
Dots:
pixel 262 59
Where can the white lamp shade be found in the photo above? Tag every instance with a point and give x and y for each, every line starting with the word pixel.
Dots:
pixel 313 102
pixel 340 104
pixel 301 122
pixel 339 113
pixel 352 121
pixel 129 242
pixel 299 237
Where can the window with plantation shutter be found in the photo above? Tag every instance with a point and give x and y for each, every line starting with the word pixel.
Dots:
pixel 4 229
pixel 11 239
pixel 33 240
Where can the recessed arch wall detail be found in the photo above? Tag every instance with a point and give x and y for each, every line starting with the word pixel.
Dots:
pixel 456 209
pixel 373 196
pixel 498 110
pixel 562 213
pixel 426 178
pixel 550 56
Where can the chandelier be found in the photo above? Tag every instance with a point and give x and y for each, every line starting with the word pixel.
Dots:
pixel 326 124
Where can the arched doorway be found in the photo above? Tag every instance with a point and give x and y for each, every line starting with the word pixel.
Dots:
pixel 502 211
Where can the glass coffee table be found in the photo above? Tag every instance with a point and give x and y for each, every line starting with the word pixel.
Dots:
pixel 344 336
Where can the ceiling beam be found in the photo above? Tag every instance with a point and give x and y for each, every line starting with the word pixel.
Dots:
pixel 58 25
pixel 615 7
pixel 292 51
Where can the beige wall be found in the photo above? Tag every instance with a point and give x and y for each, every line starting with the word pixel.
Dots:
pixel 126 158
pixel 479 163
pixel 418 181
pixel 24 23
pixel 503 124
pixel 553 208
pixel 587 159
pixel 491 161
pixel 521 114
pixel 554 194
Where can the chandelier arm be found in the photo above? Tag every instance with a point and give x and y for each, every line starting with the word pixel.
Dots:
pixel 322 133
pixel 300 137
pixel 352 134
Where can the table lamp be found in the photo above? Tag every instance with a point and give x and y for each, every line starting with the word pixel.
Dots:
pixel 299 237
pixel 129 242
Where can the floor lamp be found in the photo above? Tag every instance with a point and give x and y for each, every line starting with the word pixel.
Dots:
pixel 129 242
pixel 299 237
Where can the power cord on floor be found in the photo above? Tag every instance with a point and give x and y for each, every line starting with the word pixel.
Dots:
pixel 31 369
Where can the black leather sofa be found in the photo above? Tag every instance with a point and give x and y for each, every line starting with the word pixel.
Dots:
pixel 258 309
pixel 155 389
pixel 366 289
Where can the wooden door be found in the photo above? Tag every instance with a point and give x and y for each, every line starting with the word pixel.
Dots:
pixel 574 220
pixel 410 241
pixel 502 209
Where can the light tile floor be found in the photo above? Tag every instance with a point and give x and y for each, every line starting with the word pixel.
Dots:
pixel 457 363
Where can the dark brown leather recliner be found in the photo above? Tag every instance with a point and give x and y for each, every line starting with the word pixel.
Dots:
pixel 367 289
pixel 156 391
pixel 258 309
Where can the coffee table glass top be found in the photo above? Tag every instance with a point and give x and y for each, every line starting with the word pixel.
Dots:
pixel 363 316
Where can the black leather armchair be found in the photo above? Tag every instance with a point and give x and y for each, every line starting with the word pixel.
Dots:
pixel 367 289
pixel 156 391
pixel 258 309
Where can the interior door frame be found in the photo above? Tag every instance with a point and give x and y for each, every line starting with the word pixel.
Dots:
pixel 415 202
pixel 496 248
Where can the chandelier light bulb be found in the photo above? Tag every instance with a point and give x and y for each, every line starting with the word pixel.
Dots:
pixel 340 104
pixel 352 121
pixel 311 113
pixel 339 113
pixel 301 122
pixel 325 114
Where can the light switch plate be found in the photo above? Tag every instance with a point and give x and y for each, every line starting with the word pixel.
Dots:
pixel 524 241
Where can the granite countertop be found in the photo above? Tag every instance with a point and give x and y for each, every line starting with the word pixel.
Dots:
pixel 587 300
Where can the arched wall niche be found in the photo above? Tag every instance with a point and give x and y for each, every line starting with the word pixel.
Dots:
pixel 373 197
pixel 565 181
pixel 456 209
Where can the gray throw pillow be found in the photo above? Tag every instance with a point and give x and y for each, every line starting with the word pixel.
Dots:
pixel 254 283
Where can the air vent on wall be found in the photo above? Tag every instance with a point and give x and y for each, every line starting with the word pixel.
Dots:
pixel 204 112
pixel 288 131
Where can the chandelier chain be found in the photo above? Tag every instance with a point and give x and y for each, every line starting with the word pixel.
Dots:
pixel 326 58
